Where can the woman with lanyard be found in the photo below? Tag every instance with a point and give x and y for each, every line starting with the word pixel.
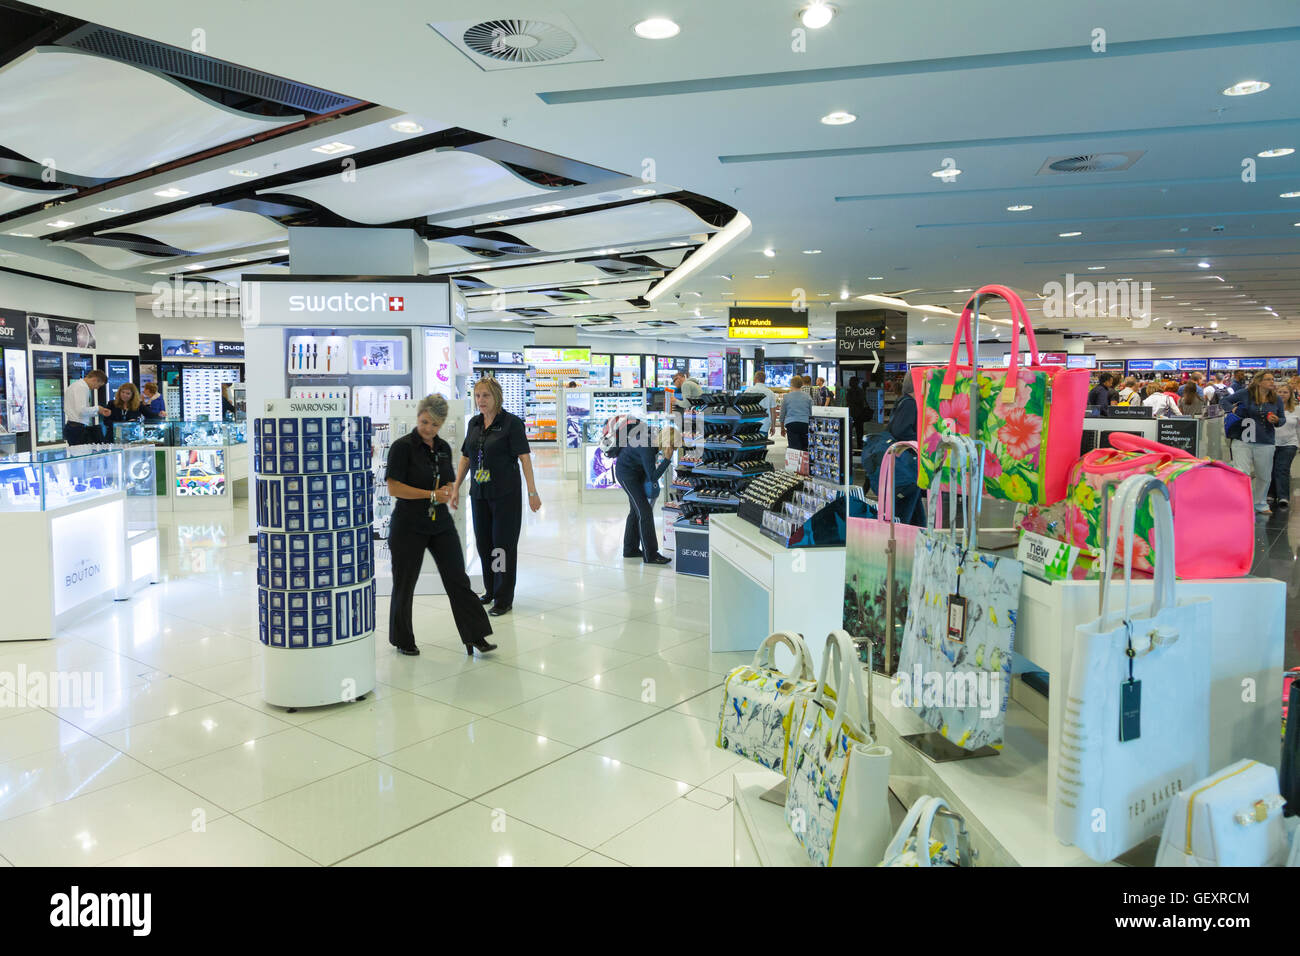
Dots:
pixel 495 446
pixel 421 480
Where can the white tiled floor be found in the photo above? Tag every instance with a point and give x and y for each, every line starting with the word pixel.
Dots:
pixel 586 739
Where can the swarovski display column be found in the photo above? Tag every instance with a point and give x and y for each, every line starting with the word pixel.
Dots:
pixel 315 553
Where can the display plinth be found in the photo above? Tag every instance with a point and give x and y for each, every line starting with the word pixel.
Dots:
pixel 760 836
pixel 757 587
pixel 342 672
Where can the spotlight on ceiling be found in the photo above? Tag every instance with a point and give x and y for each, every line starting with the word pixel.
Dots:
pixel 1202 265
pixel 1246 88
pixel 406 126
pixel 1021 207
pixel 817 14
pixel 1274 153
pixel 769 253
pixel 838 118
pixel 657 28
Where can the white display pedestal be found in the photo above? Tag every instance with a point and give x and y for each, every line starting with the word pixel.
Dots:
pixel 758 587
pixel 760 834
pixel 140 562
pixel 236 464
pixel 60 565
pixel 1247 640
pixel 339 673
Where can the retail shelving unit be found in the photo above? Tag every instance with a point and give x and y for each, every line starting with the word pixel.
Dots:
pixel 545 381
pixel 576 405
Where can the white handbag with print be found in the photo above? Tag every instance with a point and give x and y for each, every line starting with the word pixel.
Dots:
pixel 837 799
pixel 949 847
pixel 757 699
pixel 1232 818
pixel 1294 859
pixel 1137 715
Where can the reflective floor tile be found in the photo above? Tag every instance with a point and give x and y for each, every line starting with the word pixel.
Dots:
pixel 653 680
pixel 51 776
pixel 673 745
pixel 473 759
pixel 490 688
pixel 228 841
pixel 383 725
pixel 191 733
pixel 576 715
pixel 683 833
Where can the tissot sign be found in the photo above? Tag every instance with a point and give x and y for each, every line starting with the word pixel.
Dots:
pixel 344 303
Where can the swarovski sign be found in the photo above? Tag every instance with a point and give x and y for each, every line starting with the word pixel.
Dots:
pixel 264 302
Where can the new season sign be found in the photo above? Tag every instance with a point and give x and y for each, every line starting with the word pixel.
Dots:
pixel 767 324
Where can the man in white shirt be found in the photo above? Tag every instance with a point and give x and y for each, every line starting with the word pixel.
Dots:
pixel 80 409
pixel 769 399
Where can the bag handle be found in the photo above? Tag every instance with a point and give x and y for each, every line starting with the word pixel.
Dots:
pixel 925 827
pixel 906 828
pixel 955 460
pixel 1125 441
pixel 857 675
pixel 1126 464
pixel 802 667
pixel 1019 316
pixel 885 481
pixel 1123 519
pixel 839 647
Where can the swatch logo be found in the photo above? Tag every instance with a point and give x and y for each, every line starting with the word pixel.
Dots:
pixel 347 302
pixel 396 303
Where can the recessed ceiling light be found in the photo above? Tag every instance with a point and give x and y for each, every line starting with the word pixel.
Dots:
pixel 1184 303
pixel 875 278
pixel 1023 207
pixel 769 253
pixel 329 149
pixel 24 235
pixel 1273 153
pixel 237 259
pixel 171 192
pixel 823 293
pixel 1166 297
pixel 1199 309
pixel 764 276
pixel 1214 325
pixel 812 252
pixel 245 173
pixel 548 207
pixel 816 15
pixel 61 223
pixel 1202 265
pixel 644 191
pixel 948 174
pixel 1291 195
pixel 838 118
pixel 1069 235
pixel 657 28
pixel 963 290
pixel 110 209
pixel 844 293
pixel 1246 87
pixel 406 126
pixel 284 251
pixel 1095 268
pixel 679 243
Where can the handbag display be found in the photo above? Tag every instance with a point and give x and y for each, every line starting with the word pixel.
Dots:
pixel 1232 818
pixel 950 848
pixel 1212 507
pixel 757 700
pixel 1030 418
pixel 1137 716
pixel 954 668
pixel 837 799
pixel 878 572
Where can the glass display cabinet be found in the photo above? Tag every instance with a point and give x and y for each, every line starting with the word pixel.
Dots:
pixel 195 462
pixel 597 479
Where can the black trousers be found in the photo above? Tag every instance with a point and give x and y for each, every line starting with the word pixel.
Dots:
pixel 408 542
pixel 75 433
pixel 639 535
pixel 796 436
pixel 857 419
pixel 1280 487
pixel 496 533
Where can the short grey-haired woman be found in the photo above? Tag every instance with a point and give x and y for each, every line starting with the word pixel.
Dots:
pixel 423 482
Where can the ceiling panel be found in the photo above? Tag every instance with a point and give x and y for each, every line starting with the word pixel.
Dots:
pixel 413 186
pixel 657 219
pixel 98 117
pixel 510 300
pixel 207 229
pixel 551 274
pixel 231 276
pixel 16 197
pixel 448 254
pixel 113 257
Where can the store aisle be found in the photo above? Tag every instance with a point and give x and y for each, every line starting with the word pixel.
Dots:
pixel 586 739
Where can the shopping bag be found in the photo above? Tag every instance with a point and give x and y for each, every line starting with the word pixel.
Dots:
pixel 757 700
pixel 1211 501
pixel 915 843
pixel 1137 712
pixel 1232 818
pixel 954 668
pixel 878 572
pixel 837 798
pixel 1029 418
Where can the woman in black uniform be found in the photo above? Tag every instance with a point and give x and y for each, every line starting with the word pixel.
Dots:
pixel 494 449
pixel 641 462
pixel 421 479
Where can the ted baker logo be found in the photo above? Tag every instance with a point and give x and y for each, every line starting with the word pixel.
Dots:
pixel 347 302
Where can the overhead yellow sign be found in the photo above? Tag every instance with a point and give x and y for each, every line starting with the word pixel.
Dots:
pixel 767 324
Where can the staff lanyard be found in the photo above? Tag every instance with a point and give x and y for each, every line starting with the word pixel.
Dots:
pixel 481 475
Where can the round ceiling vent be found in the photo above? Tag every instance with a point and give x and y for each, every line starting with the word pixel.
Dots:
pixel 519 41
pixel 1090 163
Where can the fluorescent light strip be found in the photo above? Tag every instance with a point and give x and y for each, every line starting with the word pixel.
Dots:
pixel 719 242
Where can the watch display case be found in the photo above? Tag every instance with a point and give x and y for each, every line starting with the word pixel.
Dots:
pixel 45 481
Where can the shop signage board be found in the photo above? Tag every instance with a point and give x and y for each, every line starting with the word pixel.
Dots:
pixel 1193 365
pixel 855 338
pixel 766 324
pixel 692 551
pixel 733 370
pixel 537 355
pixel 1178 433
pixel 1046 557
pixel 63 332
pixel 1083 361
pixel 229 349
pixel 13 329
pixel 1127 411
pixel 150 347
pixel 1253 363
pixel 1111 365
pixel 392 302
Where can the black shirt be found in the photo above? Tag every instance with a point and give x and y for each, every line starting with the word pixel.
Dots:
pixel 119 413
pixel 497 452
pixel 414 463
pixel 1099 396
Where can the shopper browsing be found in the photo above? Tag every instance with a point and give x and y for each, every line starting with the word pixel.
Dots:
pixel 769 400
pixel 494 450
pixel 643 455
pixel 1160 402
pixel 687 389
pixel 1100 393
pixel 126 405
pixel 855 399
pixel 821 394
pixel 1286 444
pixel 1260 413
pixel 422 482
pixel 151 402
pixel 1191 402
pixel 80 409
pixel 796 411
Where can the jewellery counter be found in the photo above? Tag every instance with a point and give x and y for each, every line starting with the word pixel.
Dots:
pixel 197 463
pixel 80 530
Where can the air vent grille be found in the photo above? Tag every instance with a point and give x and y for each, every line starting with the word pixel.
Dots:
pixel 1090 163
pixel 517 43
pixel 186 65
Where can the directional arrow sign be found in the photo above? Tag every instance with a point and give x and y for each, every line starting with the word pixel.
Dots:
pixel 875 360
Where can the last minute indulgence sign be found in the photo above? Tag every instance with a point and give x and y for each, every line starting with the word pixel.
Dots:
pixel 766 324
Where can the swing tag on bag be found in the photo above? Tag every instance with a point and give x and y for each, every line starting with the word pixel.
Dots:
pixel 1130 710
pixel 957 618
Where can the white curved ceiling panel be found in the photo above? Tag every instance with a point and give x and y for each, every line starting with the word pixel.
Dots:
pixel 208 229
pixel 618 290
pixel 421 185
pixel 510 300
pixel 113 257
pixel 231 276
pixel 449 254
pixel 16 197
pixel 551 274
pixel 604 307
pixel 669 258
pixel 99 117
pixel 657 219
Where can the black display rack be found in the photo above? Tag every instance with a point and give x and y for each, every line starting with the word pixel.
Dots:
pixel 723 432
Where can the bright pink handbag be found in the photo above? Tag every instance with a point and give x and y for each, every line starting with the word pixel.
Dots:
pixel 1030 418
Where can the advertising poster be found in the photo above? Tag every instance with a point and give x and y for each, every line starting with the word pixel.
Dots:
pixel 67 333
pixel 193 348
pixel 78 365
pixel 438 362
pixel 717 371
pixel 15 372
pixel 119 373
pixel 200 471
pixel 577 407
pixel 47 368
pixel 600 470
